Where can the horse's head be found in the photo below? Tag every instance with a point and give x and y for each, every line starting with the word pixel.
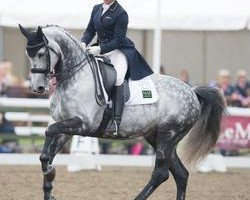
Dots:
pixel 43 54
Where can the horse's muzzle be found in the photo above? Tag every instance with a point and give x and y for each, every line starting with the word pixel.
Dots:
pixel 40 89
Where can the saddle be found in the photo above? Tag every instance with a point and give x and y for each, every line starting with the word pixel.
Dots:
pixel 105 75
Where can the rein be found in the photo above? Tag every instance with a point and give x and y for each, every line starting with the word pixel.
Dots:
pixel 61 78
pixel 49 72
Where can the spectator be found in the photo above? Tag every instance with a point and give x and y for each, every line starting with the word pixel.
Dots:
pixel 8 145
pixel 184 76
pixel 9 79
pixel 2 79
pixel 224 84
pixel 6 127
pixel 242 87
pixel 10 84
pixel 246 101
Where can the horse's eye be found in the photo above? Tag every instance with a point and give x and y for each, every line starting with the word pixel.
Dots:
pixel 40 55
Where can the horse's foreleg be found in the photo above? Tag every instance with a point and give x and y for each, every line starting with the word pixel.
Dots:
pixel 48 170
pixel 52 144
pixel 54 141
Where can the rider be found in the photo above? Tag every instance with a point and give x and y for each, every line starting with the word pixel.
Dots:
pixel 109 20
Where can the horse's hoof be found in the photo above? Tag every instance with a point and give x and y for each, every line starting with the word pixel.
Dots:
pixel 52 198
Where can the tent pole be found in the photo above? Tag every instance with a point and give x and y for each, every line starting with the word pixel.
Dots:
pixel 1 43
pixel 204 52
pixel 157 40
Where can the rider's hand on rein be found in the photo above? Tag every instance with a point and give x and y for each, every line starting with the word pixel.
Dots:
pixel 83 46
pixel 94 50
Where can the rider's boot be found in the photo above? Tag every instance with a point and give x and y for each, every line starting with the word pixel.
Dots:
pixel 118 103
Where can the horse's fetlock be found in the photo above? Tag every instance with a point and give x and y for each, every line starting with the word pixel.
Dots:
pixel 44 158
pixel 48 169
pixel 50 174
pixel 47 186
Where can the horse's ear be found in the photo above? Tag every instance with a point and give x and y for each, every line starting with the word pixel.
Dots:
pixel 40 31
pixel 24 31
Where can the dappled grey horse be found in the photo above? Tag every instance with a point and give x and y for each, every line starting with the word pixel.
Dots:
pixel 180 110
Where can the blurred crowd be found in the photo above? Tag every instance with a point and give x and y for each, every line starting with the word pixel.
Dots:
pixel 236 94
pixel 12 85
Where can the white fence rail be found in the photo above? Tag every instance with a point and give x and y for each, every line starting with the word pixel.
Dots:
pixel 29 111
pixel 24 116
pixel 105 160
pixel 24 103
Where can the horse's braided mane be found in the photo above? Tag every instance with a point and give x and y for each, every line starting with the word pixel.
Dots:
pixel 64 31
pixel 68 71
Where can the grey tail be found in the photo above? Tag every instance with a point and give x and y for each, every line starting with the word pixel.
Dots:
pixel 203 136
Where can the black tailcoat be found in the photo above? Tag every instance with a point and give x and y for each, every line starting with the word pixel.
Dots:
pixel 111 29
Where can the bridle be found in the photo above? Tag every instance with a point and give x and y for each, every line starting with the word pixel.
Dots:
pixel 49 72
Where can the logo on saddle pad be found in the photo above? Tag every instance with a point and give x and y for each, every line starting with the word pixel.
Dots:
pixel 147 94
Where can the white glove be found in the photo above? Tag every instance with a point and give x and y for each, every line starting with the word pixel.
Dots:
pixel 95 50
pixel 83 46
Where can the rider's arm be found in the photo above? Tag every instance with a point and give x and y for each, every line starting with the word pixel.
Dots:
pixel 90 32
pixel 119 34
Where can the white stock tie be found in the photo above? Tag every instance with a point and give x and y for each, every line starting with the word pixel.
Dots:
pixel 105 8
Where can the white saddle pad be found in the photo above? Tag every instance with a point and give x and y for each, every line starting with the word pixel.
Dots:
pixel 142 92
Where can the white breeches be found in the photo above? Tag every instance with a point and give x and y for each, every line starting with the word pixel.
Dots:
pixel 119 60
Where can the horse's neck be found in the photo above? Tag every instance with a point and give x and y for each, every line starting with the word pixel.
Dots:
pixel 79 80
pixel 73 60
pixel 70 48
pixel 72 55
pixel 75 95
pixel 78 98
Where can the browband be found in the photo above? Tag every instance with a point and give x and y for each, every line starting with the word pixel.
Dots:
pixel 36 46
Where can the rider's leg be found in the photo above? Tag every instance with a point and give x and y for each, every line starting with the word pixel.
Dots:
pixel 119 60
pixel 118 101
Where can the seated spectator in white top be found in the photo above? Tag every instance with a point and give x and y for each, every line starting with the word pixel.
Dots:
pixel 229 91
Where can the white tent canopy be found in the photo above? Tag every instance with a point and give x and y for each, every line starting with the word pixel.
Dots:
pixel 175 14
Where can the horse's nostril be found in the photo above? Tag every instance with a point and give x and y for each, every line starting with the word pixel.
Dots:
pixel 41 89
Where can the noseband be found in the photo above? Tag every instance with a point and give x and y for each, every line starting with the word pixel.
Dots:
pixel 48 71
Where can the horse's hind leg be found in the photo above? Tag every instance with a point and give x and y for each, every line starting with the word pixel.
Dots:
pixel 180 174
pixel 52 145
pixel 164 147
